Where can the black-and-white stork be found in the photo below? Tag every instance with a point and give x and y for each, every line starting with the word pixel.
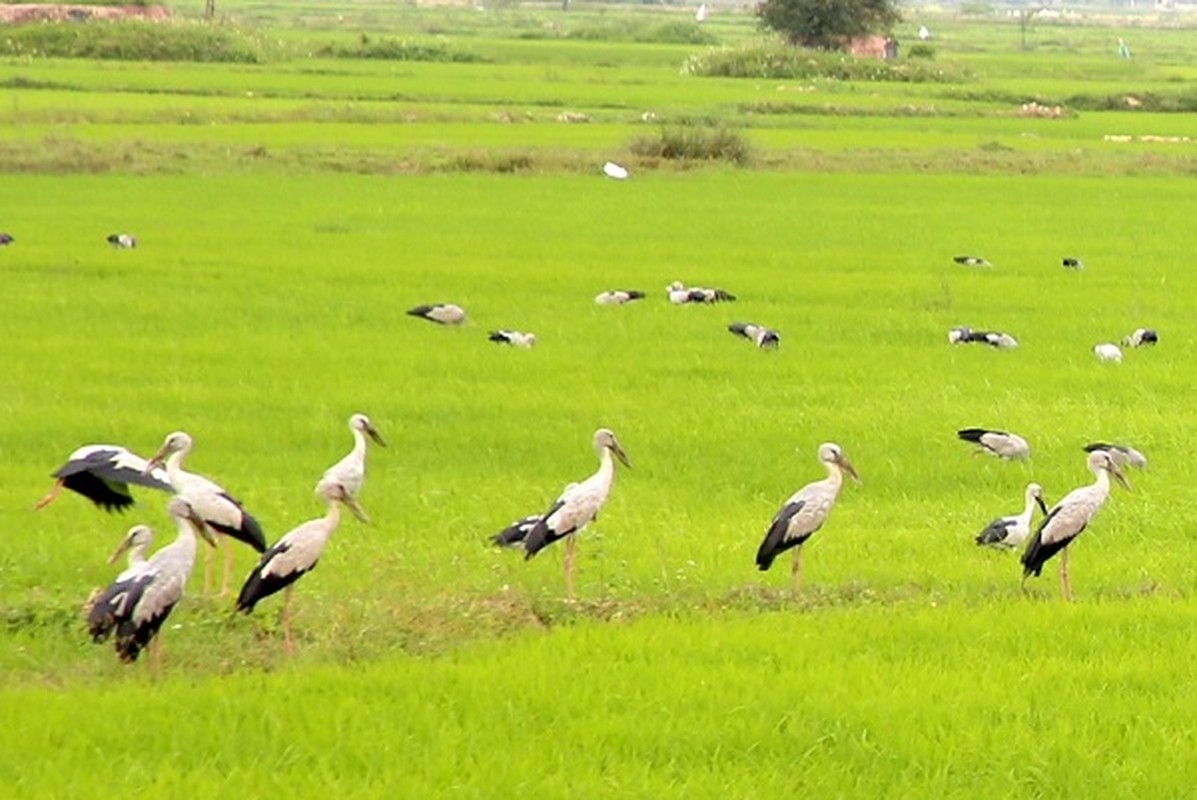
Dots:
pixel 122 241
pixel 1141 336
pixel 1072 263
pixel 617 297
pixel 1108 351
pixel 513 338
pixel 1123 454
pixel 136 604
pixel 219 510
pixel 350 472
pixel 805 512
pixel 577 506
pixel 762 337
pixel 295 555
pixel 972 261
pixel 1007 533
pixel 136 542
pixel 440 313
pixel 996 339
pixel 102 473
pixel 1068 518
pixel 680 295
pixel 1002 444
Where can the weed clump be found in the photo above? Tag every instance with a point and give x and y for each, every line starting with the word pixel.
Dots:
pixel 397 50
pixel 694 143
pixel 776 61
pixel 130 40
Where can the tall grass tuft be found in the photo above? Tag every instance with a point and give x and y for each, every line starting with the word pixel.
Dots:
pixel 695 143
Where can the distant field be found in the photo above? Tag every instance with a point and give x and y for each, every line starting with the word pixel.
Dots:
pixel 289 212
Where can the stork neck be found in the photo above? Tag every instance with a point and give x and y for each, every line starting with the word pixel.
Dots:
pixel 835 475
pixel 332 517
pixel 174 466
pixel 359 445
pixel 1102 484
pixel 606 468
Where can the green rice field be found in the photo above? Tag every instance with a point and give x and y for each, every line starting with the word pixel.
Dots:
pixel 289 211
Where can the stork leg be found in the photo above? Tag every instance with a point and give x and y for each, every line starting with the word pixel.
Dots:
pixel 796 570
pixel 571 547
pixel 207 571
pixel 49 498
pixel 288 641
pixel 155 651
pixel 228 569
pixel 1065 586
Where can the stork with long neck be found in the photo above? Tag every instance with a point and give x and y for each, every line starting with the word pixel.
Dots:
pixel 805 512
pixel 350 472
pixel 1011 531
pixel 577 506
pixel 219 510
pixel 1068 519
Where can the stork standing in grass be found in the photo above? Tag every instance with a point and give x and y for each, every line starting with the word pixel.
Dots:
pixel 618 297
pixel 135 543
pixel 1007 533
pixel 577 506
pixel 102 473
pixel 350 472
pixel 1068 519
pixel 762 337
pixel 512 338
pixel 805 512
pixel 680 295
pixel 440 313
pixel 295 555
pixel 210 502
pixel 136 604
pixel 1003 444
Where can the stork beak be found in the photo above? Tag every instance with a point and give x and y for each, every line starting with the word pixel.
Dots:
pixel 202 528
pixel 1042 505
pixel 121 549
pixel 356 508
pixel 620 454
pixel 376 436
pixel 155 462
pixel 1118 476
pixel 847 467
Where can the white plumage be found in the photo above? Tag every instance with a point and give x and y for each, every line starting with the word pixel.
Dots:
pixel 440 313
pixel 680 295
pixel 1011 531
pixel 996 339
pixel 1107 351
pixel 1068 518
pixel 613 170
pixel 805 512
pixel 513 338
pixel 765 338
pixel 122 241
pixel 1002 444
pixel 350 472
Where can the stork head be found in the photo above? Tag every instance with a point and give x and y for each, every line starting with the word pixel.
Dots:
pixel 604 439
pixel 676 286
pixel 183 511
pixel 360 422
pixel 1100 460
pixel 334 492
pixel 177 442
pixel 1035 492
pixel 139 536
pixel 832 453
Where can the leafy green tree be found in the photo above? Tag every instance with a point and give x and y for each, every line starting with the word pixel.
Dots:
pixel 827 24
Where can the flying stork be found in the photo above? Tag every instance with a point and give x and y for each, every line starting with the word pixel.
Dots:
pixel 209 501
pixel 805 512
pixel 1068 518
pixel 513 338
pixel 441 313
pixel 617 297
pixel 1123 455
pixel 295 555
pixel 136 604
pixel 102 473
pixel 1007 533
pixel 122 241
pixel 350 472
pixel 680 295
pixel 577 506
pixel 762 337
pixel 1002 444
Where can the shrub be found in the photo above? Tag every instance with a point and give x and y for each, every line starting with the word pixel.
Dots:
pixel 130 40
pixel 694 143
pixel 781 62
pixel 921 51
pixel 397 50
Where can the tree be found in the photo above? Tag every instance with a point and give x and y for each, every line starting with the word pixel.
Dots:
pixel 827 24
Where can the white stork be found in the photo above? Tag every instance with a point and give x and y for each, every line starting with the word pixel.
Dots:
pixel 513 338
pixel 136 604
pixel 617 297
pixel 680 295
pixel 1007 533
pixel 1068 518
pixel 1123 455
pixel 805 512
pixel 210 502
pixel 577 506
pixel 616 171
pixel 1072 263
pixel 1141 336
pixel 135 543
pixel 295 555
pixel 102 473
pixel 971 261
pixel 1108 351
pixel 350 472
pixel 122 241
pixel 762 337
pixel 1002 444
pixel 441 313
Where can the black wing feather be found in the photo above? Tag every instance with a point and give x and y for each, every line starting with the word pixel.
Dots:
pixel 775 538
pixel 250 531
pixel 258 586
pixel 995 532
pixel 515 533
pixel 1039 552
pixel 541 535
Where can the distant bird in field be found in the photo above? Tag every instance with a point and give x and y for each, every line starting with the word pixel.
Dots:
pixel 122 241
pixel 292 557
pixel 577 506
pixel 971 261
pixel 136 604
pixel 219 510
pixel 1007 533
pixel 617 297
pixel 1108 351
pixel 996 339
pixel 1068 519
pixel 805 512
pixel 1073 263
pixel 1002 444
pixel 680 295
pixel 513 338
pixel 1141 336
pixel 1123 455
pixel 350 472
pixel 6 238
pixel 765 338
pixel 613 170
pixel 515 533
pixel 441 313
pixel 102 473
